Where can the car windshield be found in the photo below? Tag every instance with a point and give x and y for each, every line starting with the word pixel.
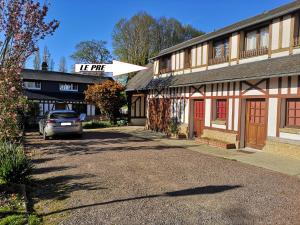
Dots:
pixel 63 115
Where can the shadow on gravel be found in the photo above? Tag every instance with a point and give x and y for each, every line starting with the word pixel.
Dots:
pixel 48 169
pixel 211 189
pixel 41 160
pixel 60 187
pixel 94 143
pixel 89 138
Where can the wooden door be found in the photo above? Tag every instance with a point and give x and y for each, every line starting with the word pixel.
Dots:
pixel 198 117
pixel 256 123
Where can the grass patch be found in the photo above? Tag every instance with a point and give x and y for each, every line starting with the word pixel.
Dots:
pixel 12 207
pixel 34 220
pixel 20 220
pixel 14 220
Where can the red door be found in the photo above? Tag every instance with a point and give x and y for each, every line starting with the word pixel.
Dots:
pixel 256 123
pixel 198 117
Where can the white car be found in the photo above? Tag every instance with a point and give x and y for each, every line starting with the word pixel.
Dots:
pixel 61 122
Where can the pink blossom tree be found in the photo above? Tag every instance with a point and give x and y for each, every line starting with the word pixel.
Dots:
pixel 22 25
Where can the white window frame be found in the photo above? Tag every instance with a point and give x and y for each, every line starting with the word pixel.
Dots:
pixel 37 85
pixel 64 87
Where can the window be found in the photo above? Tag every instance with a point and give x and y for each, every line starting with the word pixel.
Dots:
pixel 68 87
pixel 165 64
pixel 264 37
pixel 257 39
pixel 32 85
pixel 293 113
pixel 221 109
pixel 178 109
pixel 220 52
pixel 187 58
pixel 221 48
pixel 251 40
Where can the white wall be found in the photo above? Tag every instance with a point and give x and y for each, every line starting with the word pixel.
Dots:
pixel 236 114
pixel 230 108
pixel 272 117
pixel 286 31
pixel 207 112
pixel 199 55
pixel 194 56
pixel 275 34
pixel 181 59
pixel 234 45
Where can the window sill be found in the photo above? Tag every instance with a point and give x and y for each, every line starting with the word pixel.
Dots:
pixel 290 130
pixel 34 89
pixel 219 122
pixel 68 90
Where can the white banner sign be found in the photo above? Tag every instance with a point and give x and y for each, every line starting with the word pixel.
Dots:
pixel 117 68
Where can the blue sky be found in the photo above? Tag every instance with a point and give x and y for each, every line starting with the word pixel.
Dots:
pixel 95 19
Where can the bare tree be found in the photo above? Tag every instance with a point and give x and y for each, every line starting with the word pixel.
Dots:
pixel 52 64
pixel 91 52
pixel 142 36
pixel 62 65
pixel 46 55
pixel 37 60
pixel 132 38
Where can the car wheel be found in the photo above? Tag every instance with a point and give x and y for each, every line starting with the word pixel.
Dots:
pixel 45 136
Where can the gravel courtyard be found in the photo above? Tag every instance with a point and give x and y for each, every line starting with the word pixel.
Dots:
pixel 111 176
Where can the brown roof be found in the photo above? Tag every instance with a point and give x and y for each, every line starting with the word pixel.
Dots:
pixel 141 79
pixel 276 67
pixel 280 11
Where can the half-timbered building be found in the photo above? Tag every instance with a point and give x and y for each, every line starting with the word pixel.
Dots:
pixel 238 86
pixel 49 90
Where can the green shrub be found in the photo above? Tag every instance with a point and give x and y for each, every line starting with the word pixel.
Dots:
pixel 174 126
pixel 122 122
pixel 96 124
pixel 15 167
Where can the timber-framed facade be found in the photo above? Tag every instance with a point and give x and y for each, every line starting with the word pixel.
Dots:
pixel 238 85
pixel 49 90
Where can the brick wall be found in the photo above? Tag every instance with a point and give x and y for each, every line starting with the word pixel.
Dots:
pixel 219 135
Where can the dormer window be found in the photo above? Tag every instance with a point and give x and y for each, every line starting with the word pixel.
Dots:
pixel 256 42
pixel 68 87
pixel 165 64
pixel 220 53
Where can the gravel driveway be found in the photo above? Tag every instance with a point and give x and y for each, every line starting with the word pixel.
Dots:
pixel 113 177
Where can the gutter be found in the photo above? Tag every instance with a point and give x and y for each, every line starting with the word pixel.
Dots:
pixel 237 79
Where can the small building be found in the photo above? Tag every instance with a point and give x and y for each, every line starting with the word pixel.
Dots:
pixel 238 86
pixel 49 90
pixel 136 91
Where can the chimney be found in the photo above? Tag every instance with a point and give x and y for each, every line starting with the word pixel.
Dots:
pixel 44 66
